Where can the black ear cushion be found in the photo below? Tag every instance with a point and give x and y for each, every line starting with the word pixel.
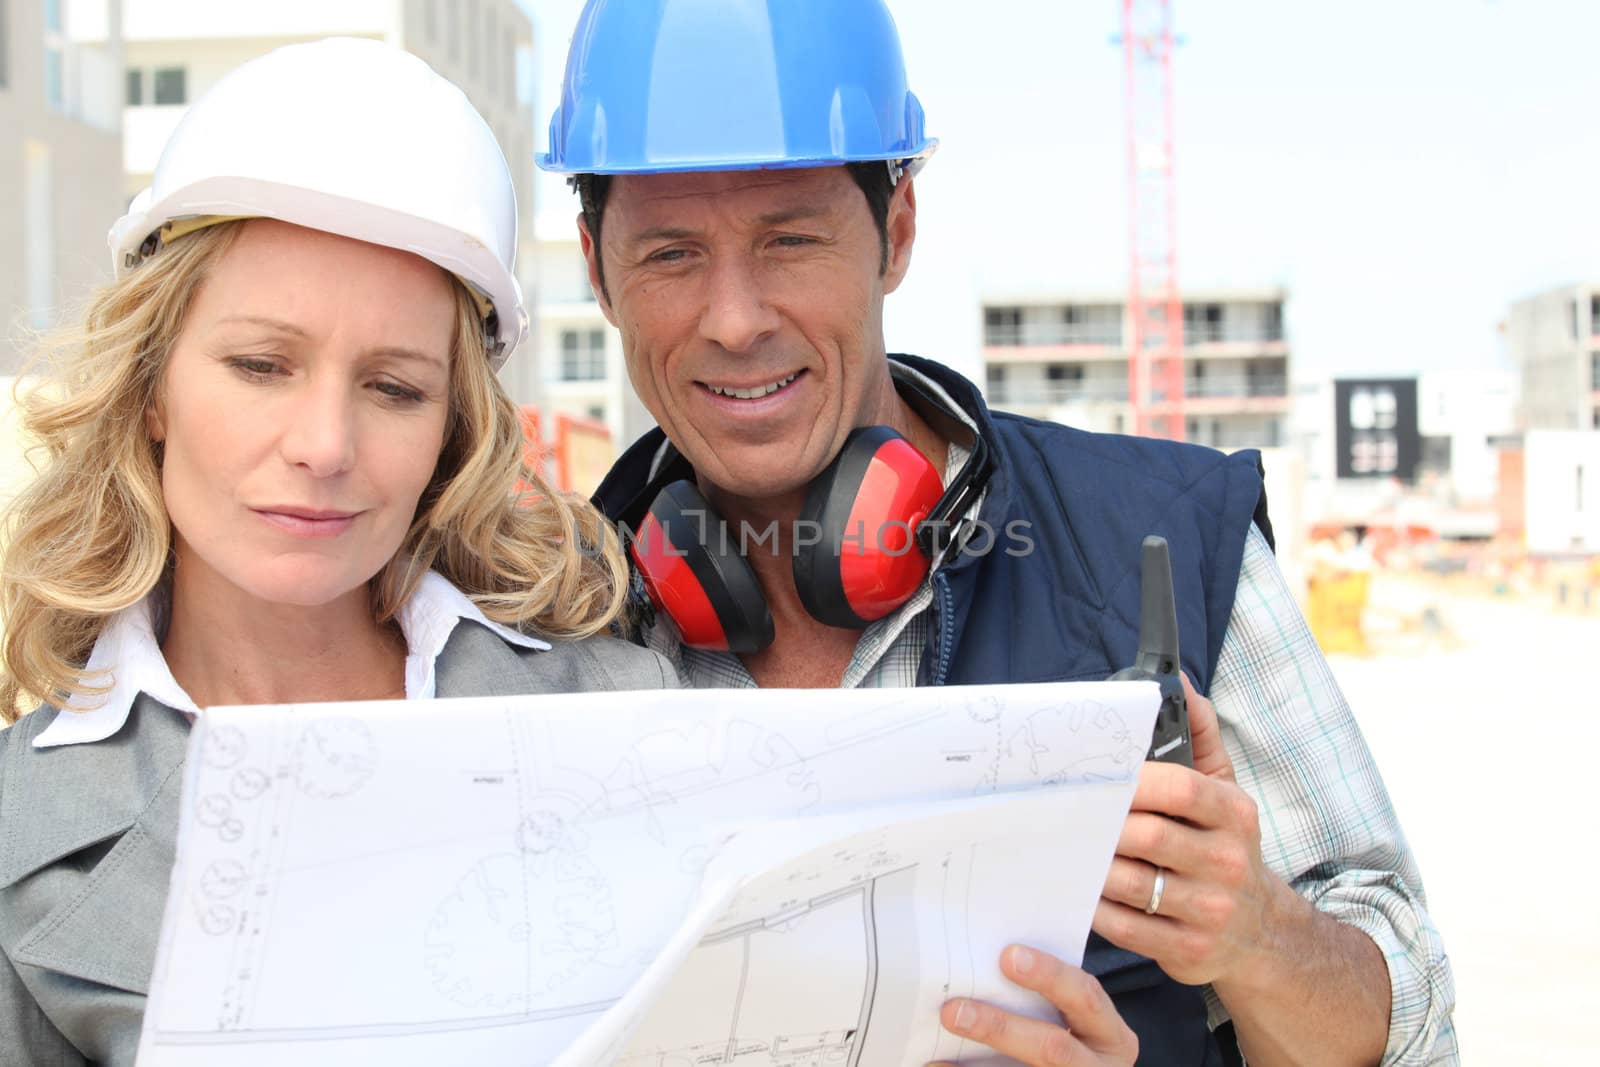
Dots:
pixel 712 553
pixel 828 504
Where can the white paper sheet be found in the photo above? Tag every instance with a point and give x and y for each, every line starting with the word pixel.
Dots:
pixel 502 880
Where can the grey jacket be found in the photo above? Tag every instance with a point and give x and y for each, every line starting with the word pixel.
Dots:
pixel 87 834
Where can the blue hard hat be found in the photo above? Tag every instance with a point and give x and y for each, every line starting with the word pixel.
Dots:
pixel 682 85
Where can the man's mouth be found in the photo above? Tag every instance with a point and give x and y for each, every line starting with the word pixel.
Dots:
pixel 754 392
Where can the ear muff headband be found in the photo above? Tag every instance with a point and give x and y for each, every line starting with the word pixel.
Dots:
pixel 697 577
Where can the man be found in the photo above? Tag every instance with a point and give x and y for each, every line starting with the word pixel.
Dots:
pixel 745 171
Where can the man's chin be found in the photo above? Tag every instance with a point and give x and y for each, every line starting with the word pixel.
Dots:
pixel 770 476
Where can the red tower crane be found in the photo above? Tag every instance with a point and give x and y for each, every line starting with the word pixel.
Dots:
pixel 1155 308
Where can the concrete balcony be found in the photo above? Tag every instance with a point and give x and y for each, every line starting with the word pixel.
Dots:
pixel 1230 394
pixel 1053 353
pixel 1236 385
pixel 1222 333
pixel 1063 333
pixel 1044 394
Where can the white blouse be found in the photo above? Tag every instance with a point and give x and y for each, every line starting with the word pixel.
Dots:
pixel 128 648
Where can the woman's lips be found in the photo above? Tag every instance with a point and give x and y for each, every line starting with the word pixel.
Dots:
pixel 304 523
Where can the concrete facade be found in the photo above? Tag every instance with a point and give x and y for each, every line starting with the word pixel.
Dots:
pixel 60 91
pixel 1461 414
pixel 1562 492
pixel 1554 339
pixel 583 372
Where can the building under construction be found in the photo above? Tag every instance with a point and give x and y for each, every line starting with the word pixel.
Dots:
pixel 1068 358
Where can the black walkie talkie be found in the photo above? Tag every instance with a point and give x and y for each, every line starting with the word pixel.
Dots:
pixel 1158 656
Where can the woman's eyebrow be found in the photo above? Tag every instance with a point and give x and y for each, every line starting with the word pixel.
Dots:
pixel 415 355
pixel 263 320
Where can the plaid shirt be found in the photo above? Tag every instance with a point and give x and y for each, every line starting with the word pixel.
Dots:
pixel 1327 826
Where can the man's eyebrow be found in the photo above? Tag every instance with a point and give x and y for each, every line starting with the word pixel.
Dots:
pixel 779 217
pixel 660 233
pixel 798 213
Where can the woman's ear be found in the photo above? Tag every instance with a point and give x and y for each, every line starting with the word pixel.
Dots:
pixel 155 426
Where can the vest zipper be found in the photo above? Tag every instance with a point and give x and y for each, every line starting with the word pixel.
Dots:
pixel 941 628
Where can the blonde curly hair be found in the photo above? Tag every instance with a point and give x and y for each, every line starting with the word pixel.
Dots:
pixel 90 536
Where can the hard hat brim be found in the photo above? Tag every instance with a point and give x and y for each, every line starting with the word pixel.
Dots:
pixel 472 262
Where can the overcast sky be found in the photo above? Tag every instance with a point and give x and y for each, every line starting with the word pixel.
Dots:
pixel 1405 168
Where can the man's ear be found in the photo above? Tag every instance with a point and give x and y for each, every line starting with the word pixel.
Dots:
pixel 591 256
pixel 901 229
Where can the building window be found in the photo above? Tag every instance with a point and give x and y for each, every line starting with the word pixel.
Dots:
pixel 1064 372
pixel 1002 326
pixel 1202 323
pixel 5 45
pixel 135 90
pixel 1373 408
pixel 583 355
pixel 55 57
pixel 1274 323
pixel 171 86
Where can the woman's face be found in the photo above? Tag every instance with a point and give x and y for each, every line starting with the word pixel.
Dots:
pixel 302 412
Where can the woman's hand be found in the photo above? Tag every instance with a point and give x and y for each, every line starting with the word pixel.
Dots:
pixel 1093 1034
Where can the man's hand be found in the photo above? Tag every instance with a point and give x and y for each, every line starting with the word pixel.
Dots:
pixel 1094 1033
pixel 1202 833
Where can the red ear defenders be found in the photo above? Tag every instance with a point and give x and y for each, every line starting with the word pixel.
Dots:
pixel 873 520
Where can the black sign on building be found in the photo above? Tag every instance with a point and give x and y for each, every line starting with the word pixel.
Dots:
pixel 1375 428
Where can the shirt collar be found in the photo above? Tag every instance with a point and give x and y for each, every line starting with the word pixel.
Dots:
pixel 128 651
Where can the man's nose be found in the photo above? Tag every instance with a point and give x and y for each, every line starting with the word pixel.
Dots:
pixel 737 315
pixel 320 435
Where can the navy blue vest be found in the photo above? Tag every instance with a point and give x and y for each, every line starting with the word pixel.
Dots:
pixel 1068 608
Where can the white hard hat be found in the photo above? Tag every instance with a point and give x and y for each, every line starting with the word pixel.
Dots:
pixel 353 137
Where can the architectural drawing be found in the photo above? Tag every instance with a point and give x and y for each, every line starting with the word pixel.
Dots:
pixel 795 988
pixel 515 865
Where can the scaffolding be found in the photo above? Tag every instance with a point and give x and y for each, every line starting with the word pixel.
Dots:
pixel 1155 308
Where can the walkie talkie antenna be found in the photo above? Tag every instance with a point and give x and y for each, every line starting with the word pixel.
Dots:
pixel 1158 611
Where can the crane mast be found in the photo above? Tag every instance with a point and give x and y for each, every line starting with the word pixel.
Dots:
pixel 1155 307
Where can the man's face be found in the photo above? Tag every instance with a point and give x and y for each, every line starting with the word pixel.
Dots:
pixel 750 305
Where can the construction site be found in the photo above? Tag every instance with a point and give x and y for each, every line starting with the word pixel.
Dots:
pixel 1439 524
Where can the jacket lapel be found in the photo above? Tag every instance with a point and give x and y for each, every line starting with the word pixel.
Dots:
pixel 101 924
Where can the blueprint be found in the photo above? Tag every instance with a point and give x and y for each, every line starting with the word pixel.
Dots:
pixel 663 878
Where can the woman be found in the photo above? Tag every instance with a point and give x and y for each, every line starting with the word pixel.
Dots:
pixel 279 469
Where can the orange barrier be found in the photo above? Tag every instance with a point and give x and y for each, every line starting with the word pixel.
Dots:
pixel 578 459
